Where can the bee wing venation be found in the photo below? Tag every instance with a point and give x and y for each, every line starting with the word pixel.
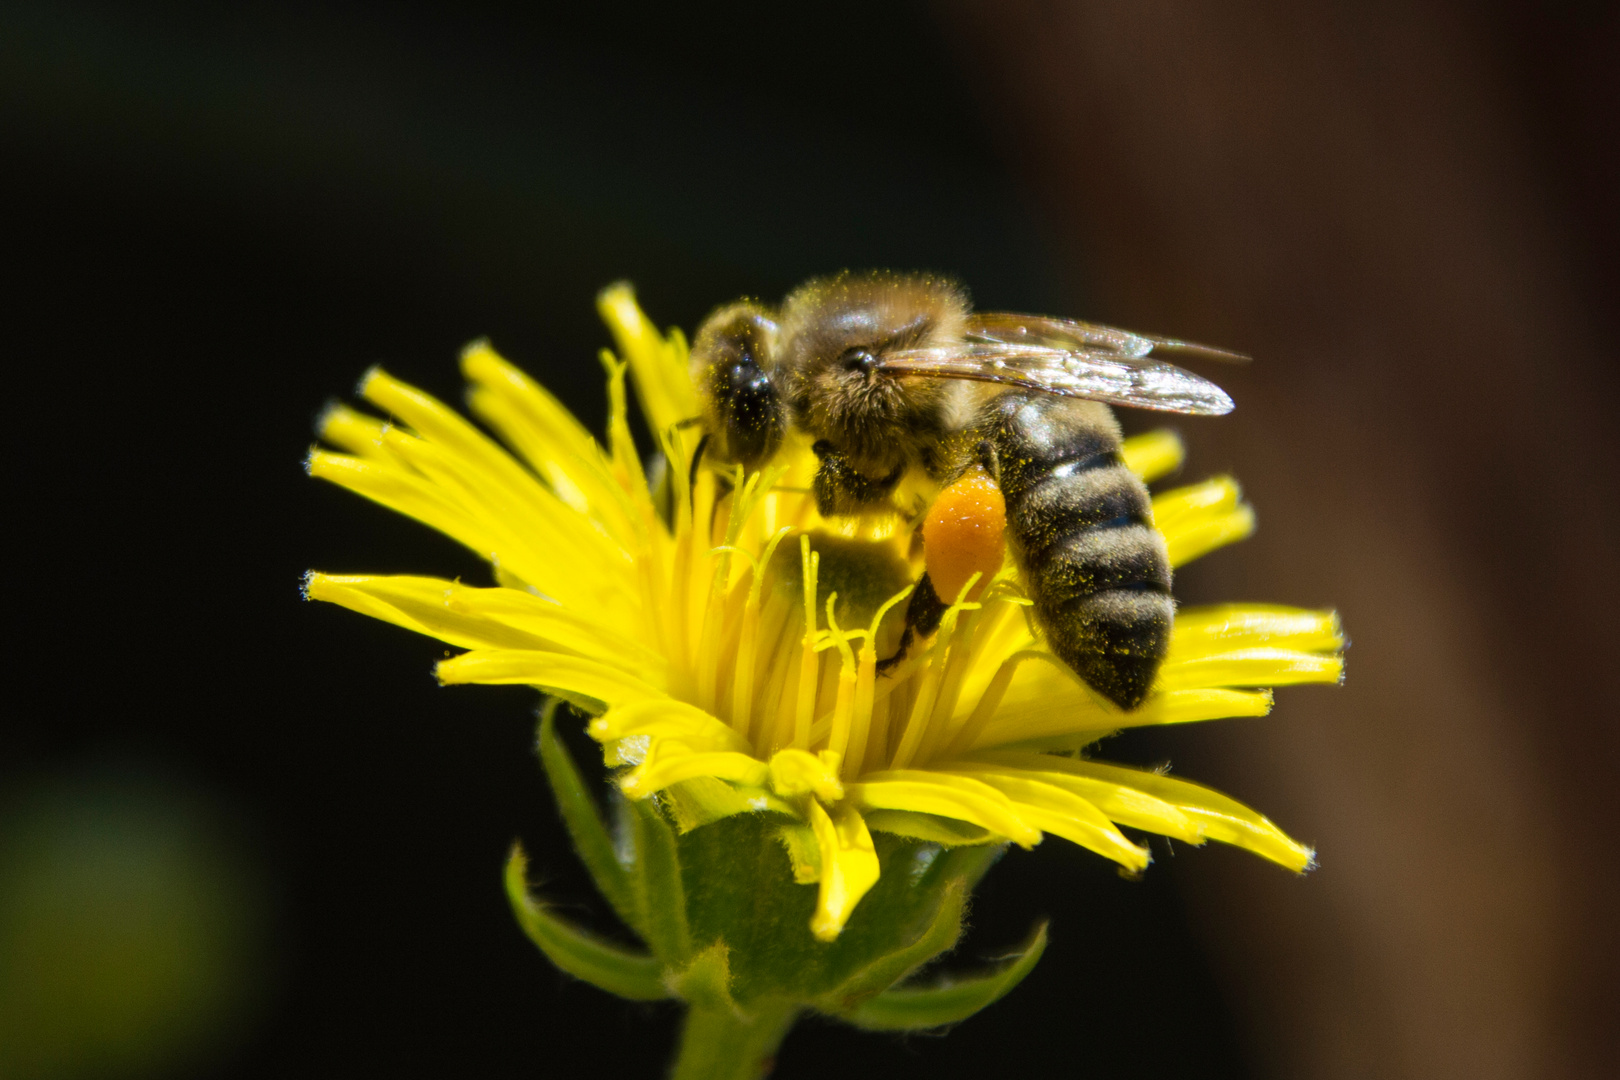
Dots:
pixel 1116 376
pixel 1015 329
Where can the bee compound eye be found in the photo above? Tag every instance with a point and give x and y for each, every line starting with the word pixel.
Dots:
pixel 859 359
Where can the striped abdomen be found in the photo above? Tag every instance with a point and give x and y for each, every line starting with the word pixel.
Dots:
pixel 1079 523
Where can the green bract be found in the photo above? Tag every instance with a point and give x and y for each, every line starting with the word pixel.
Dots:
pixel 727 928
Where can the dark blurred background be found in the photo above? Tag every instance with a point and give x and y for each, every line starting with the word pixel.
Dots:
pixel 245 836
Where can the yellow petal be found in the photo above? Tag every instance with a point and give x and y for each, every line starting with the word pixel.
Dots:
pixel 1074 725
pixel 657 366
pixel 549 438
pixel 669 762
pixel 532 521
pixel 454 452
pixel 799 772
pixel 1061 812
pixel 1220 628
pixel 705 799
pixel 586 629
pixel 438 423
pixel 1197 538
pixel 1253 667
pixel 545 566
pixel 949 796
pixel 477 618
pixel 1197 704
pixel 849 867
pixel 416 603
pixel 548 671
pixel 1119 802
pixel 1195 501
pixel 948 832
pixel 1199 518
pixel 667 718
pixel 353 431
pixel 1217 816
pixel 1153 454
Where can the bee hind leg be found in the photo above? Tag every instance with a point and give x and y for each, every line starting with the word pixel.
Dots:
pixel 923 615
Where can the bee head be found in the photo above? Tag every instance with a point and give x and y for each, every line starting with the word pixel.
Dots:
pixel 835 332
pixel 730 367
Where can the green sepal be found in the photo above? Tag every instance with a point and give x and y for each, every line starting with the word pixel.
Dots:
pixel 706 875
pixel 576 951
pixel 952 999
pixel 804 853
pixel 592 842
pixel 942 933
pixel 740 890
pixel 656 875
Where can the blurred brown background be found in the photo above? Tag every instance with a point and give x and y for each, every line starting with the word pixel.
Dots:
pixel 221 214
pixel 1409 213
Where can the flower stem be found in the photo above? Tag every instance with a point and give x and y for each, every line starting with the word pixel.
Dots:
pixel 718 1044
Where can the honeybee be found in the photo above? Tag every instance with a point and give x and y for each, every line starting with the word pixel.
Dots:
pixel 1007 414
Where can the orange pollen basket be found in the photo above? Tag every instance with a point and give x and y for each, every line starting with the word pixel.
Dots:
pixel 965 534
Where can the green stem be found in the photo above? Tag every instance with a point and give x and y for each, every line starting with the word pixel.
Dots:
pixel 718 1044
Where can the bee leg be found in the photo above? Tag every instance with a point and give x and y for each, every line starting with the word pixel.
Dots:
pixel 840 489
pixel 722 481
pixel 697 459
pixel 923 615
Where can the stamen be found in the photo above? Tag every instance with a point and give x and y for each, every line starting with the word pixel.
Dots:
pixel 940 730
pixel 804 709
pixel 742 673
pixel 843 711
pixel 990 701
pixel 826 690
pixel 787 705
pixel 775 661
pixel 860 725
pixel 693 593
pixel 877 743
pixel 922 705
pixel 952 670
pixel 932 679
pixel 678 597
pixel 708 666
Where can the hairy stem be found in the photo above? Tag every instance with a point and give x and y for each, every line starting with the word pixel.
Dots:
pixel 718 1044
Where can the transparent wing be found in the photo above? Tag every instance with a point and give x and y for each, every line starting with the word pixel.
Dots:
pixel 1074 359
pixel 1014 329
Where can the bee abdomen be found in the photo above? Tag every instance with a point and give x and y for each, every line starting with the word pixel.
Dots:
pixel 1080 522
pixel 1104 496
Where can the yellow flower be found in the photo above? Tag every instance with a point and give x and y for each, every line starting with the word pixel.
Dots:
pixel 725 637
